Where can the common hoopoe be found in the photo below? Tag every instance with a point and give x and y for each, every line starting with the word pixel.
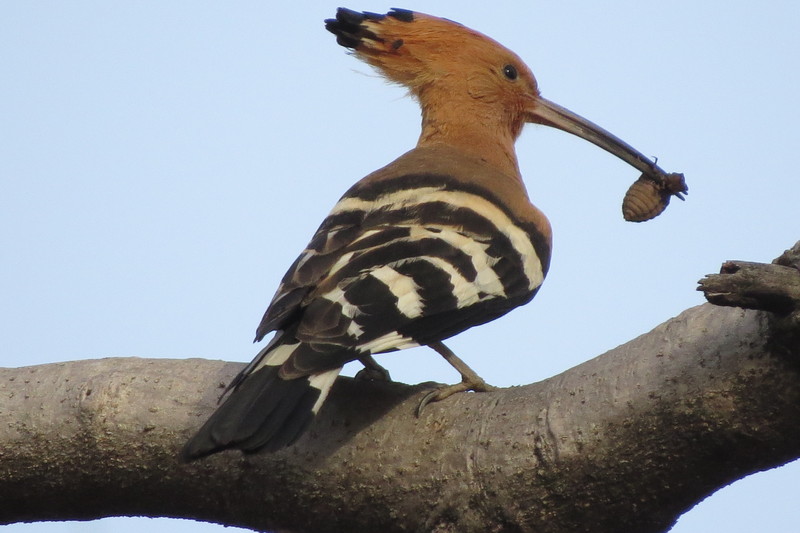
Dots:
pixel 442 239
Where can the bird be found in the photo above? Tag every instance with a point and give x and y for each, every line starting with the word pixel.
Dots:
pixel 440 240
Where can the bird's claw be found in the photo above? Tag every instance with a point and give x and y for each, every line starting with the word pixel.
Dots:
pixel 372 371
pixel 440 393
pixel 373 374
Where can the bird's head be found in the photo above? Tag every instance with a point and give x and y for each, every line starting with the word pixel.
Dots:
pixel 473 91
pixel 449 68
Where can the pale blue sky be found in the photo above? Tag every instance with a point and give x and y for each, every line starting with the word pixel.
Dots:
pixel 162 163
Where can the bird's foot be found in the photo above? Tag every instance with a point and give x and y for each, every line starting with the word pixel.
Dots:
pixel 441 393
pixel 470 380
pixel 372 371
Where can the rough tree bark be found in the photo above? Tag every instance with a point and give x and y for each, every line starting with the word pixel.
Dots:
pixel 624 442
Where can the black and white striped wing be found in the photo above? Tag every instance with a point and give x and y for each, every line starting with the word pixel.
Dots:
pixel 402 263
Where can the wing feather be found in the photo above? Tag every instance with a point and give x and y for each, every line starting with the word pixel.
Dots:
pixel 390 270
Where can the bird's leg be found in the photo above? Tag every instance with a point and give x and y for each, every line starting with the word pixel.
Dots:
pixel 372 371
pixel 470 380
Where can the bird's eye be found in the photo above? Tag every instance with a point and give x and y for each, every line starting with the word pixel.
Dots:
pixel 510 72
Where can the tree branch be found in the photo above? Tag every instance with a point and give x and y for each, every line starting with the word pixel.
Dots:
pixel 624 442
pixel 774 288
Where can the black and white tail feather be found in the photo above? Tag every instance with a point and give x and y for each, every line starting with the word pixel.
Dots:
pixel 264 411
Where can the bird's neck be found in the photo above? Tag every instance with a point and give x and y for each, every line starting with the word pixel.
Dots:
pixel 484 137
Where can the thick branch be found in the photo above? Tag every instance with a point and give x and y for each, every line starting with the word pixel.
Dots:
pixel 767 287
pixel 624 442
